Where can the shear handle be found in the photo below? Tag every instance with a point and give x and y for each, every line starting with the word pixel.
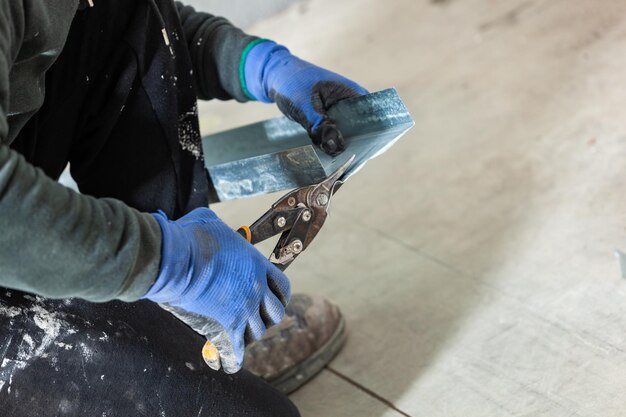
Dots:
pixel 273 222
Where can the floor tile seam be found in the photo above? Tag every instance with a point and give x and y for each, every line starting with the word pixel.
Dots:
pixel 406 245
pixel 367 391
pixel 561 324
pixel 346 215
pixel 452 268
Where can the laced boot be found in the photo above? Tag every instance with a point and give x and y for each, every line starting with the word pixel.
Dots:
pixel 291 353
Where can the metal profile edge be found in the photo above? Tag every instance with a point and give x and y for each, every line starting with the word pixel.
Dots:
pixel 276 154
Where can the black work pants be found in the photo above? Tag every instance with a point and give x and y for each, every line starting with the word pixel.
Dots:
pixel 121 109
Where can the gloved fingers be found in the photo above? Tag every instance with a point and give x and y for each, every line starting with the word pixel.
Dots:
pixel 255 329
pixel 230 346
pixel 272 310
pixel 326 94
pixel 311 113
pixel 209 328
pixel 278 283
pixel 324 131
pixel 328 137
pixel 299 109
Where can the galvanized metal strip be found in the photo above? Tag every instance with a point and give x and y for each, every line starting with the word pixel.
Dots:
pixel 277 154
pixel 267 173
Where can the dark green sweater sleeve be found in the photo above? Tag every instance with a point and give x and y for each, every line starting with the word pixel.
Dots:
pixel 57 243
pixel 216 47
pixel 53 241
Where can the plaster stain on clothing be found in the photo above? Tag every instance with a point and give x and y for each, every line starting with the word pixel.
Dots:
pixel 35 344
pixel 29 341
pixel 7 369
pixel 86 352
pixel 188 134
pixel 9 312
pixel 51 52
pixel 51 325
pixel 65 346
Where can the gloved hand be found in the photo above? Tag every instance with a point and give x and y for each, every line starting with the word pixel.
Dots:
pixel 302 91
pixel 217 283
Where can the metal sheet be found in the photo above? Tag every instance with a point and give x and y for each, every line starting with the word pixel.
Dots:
pixel 266 173
pixel 277 154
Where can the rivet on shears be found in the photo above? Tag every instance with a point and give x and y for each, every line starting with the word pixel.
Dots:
pixel 281 222
pixel 322 199
pixel 296 246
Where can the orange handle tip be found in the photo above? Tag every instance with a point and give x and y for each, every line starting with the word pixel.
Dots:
pixel 246 233
pixel 210 353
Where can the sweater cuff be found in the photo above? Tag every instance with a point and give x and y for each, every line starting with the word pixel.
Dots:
pixel 252 67
pixel 242 66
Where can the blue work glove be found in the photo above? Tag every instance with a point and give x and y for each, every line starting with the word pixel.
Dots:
pixel 217 283
pixel 302 91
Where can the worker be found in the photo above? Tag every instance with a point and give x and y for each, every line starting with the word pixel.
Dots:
pixel 89 280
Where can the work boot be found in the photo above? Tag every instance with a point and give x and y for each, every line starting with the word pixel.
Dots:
pixel 291 353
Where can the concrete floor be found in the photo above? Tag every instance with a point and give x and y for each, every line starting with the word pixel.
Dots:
pixel 243 13
pixel 475 260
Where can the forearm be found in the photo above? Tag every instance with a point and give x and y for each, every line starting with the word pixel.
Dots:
pixel 57 243
pixel 216 47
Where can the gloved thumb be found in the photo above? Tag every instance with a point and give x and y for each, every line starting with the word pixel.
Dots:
pixel 230 345
pixel 328 137
pixel 231 351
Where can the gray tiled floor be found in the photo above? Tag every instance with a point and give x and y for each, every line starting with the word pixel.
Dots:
pixel 474 261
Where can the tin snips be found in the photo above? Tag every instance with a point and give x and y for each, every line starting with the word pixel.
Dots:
pixel 298 216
